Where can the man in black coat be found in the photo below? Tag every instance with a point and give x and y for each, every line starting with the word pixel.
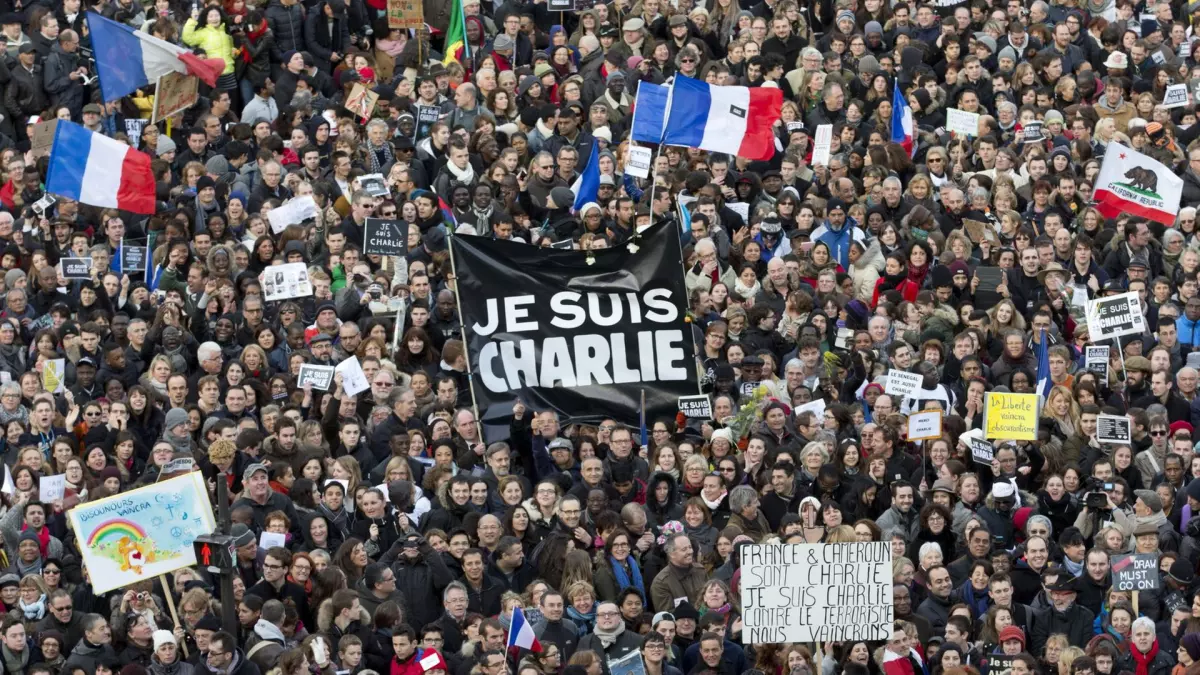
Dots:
pixel 63 74
pixel 1063 615
pixel 285 18
pixel 483 589
pixel 275 585
pixel 25 94
pixel 327 34
pixel 936 608
pixel 421 575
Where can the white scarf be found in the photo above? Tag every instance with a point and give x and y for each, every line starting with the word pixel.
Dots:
pixel 466 175
pixel 712 506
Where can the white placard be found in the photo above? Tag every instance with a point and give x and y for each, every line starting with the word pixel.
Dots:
pixel 815 406
pixel 319 376
pixel 1114 316
pixel 962 122
pixel 374 184
pixel 1176 96
pixel 902 383
pixel 271 540
pixel 740 208
pixel 181 465
pixel 924 426
pixel 290 280
pixel 52 488
pixel 821 145
pixel 293 212
pixel 816 592
pixel 638 161
pixel 1115 429
pixel 354 380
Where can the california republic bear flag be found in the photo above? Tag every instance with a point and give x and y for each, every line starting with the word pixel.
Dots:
pixel 1130 182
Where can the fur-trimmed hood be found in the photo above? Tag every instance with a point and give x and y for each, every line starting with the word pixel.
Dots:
pixel 325 616
pixel 871 257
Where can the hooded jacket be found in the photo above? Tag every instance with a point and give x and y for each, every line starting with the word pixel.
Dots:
pixel 658 513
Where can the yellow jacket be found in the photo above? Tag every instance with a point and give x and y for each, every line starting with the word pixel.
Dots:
pixel 216 42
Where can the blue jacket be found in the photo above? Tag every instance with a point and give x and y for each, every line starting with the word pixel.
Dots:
pixel 1189 331
pixel 839 240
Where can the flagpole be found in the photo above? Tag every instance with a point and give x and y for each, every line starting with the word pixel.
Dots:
pixel 654 166
pixel 463 329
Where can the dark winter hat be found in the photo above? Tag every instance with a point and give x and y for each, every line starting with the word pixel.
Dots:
pixel 1191 644
pixel 942 277
pixel 209 622
pixel 562 197
pixel 1182 571
pixel 242 534
pixel 205 182
pixel 684 610
pixel 923 97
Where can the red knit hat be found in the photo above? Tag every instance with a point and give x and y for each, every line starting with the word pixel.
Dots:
pixel 1012 633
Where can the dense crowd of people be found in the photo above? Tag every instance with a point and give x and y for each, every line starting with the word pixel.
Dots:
pixel 409 537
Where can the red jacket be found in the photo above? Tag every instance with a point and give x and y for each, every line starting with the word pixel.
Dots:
pixel 410 667
pixel 908 291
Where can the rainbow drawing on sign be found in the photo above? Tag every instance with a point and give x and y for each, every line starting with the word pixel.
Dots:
pixel 144 532
pixel 126 544
pixel 116 527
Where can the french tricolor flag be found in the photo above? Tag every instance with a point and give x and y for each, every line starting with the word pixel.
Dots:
pixel 902 121
pixel 520 633
pixel 733 120
pixel 99 171
pixel 128 59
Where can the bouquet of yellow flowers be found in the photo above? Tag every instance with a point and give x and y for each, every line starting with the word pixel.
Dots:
pixel 749 413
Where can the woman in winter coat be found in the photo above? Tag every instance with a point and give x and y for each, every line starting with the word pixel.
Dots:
pixel 895 278
pixel 662 508
pixel 618 569
pixel 166 659
pixel 866 262
pixel 209 33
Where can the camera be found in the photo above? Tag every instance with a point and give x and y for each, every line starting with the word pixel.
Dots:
pixel 1096 500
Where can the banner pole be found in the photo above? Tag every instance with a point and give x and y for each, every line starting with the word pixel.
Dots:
pixel 466 347
pixel 1124 375
pixel 174 614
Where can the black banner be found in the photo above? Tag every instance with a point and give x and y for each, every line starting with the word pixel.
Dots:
pixel 385 237
pixel 582 333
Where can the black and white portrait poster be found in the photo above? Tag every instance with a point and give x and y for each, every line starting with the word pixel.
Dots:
pixel 582 333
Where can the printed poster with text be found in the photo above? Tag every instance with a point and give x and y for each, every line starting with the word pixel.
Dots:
pixel 1010 417
pixel 816 592
pixel 142 533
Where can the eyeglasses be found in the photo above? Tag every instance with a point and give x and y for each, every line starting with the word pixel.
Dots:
pixel 1158 433
pixel 607 614
pixel 268 566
